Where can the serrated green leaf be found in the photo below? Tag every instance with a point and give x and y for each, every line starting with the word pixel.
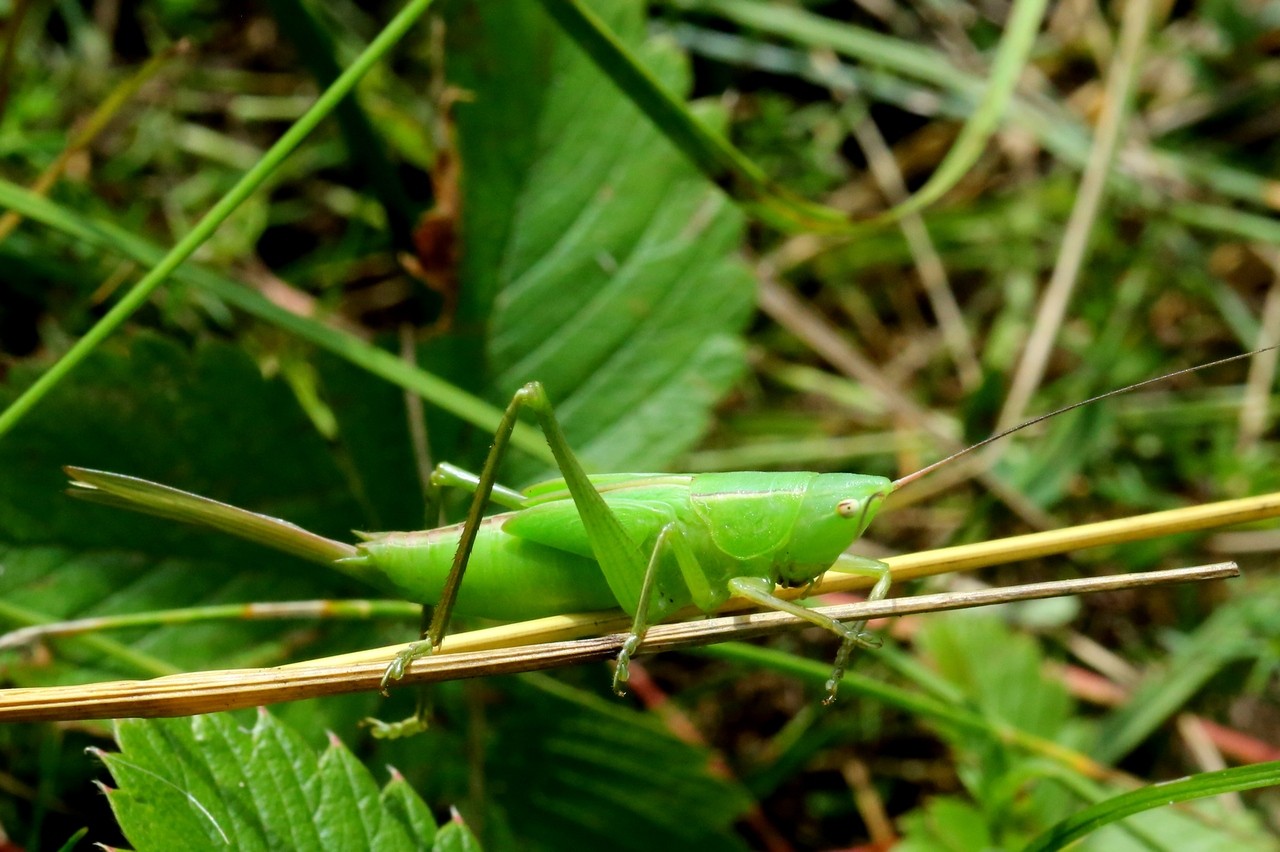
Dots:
pixel 265 788
pixel 456 837
pixel 400 800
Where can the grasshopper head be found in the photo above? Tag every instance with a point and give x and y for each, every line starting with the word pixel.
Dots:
pixel 836 510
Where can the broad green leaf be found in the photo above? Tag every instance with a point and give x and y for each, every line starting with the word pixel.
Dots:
pixel 206 783
pixel 603 262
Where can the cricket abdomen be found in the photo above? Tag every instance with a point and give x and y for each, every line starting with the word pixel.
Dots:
pixel 507 579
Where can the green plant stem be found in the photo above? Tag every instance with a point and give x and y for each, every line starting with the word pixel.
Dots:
pixel 366 150
pixel 145 664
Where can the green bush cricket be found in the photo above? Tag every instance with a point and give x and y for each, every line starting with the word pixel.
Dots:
pixel 651 544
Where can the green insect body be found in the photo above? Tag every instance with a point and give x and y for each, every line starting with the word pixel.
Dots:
pixel 649 543
pixel 777 528
pixel 509 578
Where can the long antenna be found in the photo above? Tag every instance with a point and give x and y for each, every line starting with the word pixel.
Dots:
pixel 912 477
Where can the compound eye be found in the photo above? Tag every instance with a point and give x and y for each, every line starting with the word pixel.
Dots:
pixel 849 508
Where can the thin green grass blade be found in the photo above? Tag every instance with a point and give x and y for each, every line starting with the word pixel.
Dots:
pixel 731 170
pixel 139 662
pixel 357 610
pixel 1217 217
pixel 378 362
pixel 1157 795
pixel 1231 635
pixel 926 707
pixel 868 48
pixel 73 841
pixel 205 228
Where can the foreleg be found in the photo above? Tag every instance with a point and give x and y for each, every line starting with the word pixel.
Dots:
pixel 760 591
pixel 849 563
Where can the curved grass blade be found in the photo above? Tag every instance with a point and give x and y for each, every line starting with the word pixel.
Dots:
pixel 144 664
pixel 1231 634
pixel 741 178
pixel 359 610
pixel 1157 795
pixel 1011 57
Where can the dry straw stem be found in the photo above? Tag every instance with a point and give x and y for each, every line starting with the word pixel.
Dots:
pixel 512 648
pixel 205 692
